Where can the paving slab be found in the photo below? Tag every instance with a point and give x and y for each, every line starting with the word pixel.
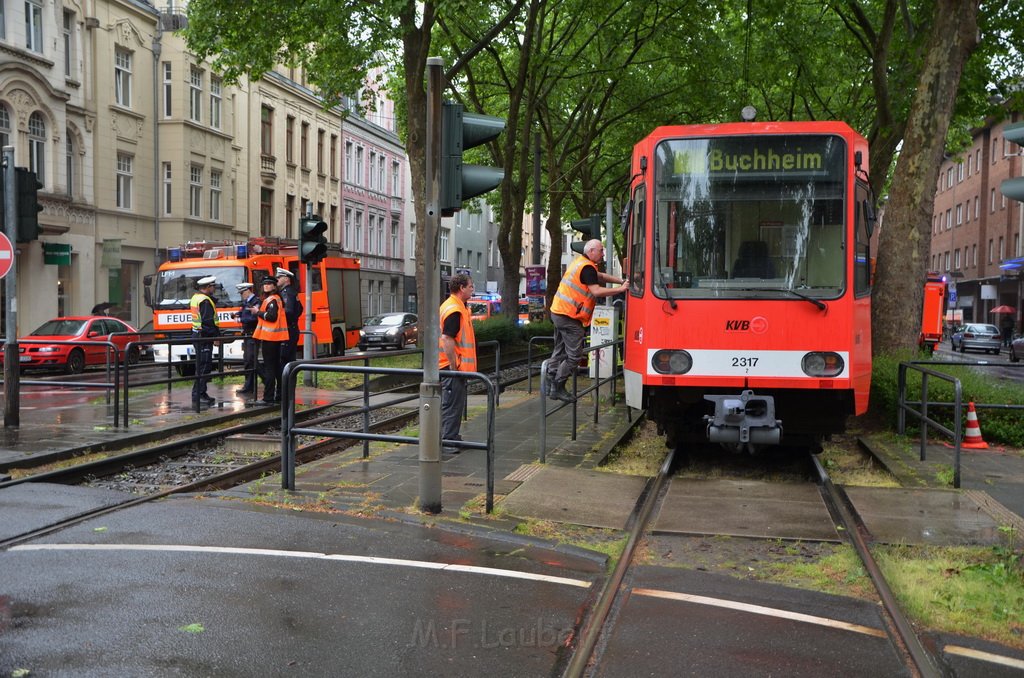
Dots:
pixel 924 516
pixel 745 508
pixel 578 496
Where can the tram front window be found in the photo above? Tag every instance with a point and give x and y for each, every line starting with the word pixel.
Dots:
pixel 750 217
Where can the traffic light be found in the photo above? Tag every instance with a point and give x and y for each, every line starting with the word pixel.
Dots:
pixel 312 243
pixel 589 227
pixel 461 131
pixel 28 204
pixel 1014 188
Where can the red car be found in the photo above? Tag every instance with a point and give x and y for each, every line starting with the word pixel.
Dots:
pixel 35 352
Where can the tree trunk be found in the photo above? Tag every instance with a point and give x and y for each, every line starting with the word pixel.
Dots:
pixel 905 236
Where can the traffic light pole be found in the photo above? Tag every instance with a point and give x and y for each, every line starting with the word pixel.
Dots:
pixel 430 389
pixel 12 371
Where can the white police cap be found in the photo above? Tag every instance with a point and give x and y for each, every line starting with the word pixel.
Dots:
pixel 283 272
pixel 243 286
pixel 208 280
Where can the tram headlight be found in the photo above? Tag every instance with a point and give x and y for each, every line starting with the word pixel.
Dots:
pixel 823 364
pixel 671 362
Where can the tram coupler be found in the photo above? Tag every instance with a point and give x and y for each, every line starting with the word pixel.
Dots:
pixel 743 418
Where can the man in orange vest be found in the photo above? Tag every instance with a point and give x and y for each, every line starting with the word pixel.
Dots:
pixel 571 310
pixel 271 333
pixel 458 352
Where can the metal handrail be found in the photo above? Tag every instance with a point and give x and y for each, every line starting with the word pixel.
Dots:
pixel 903 407
pixel 594 388
pixel 289 431
pixel 529 359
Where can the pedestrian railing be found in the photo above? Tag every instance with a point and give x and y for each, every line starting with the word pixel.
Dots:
pixel 595 387
pixel 919 409
pixel 529 359
pixel 290 431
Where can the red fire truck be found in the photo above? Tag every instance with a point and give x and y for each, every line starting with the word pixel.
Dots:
pixel 335 308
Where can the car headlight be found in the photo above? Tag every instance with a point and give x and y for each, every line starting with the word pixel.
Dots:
pixel 48 349
pixel 361 333
pixel 394 332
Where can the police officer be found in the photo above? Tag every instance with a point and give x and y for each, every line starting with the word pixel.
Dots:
pixel 292 312
pixel 272 334
pixel 204 325
pixel 247 318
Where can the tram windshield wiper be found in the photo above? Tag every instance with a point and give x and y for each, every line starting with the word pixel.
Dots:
pixel 817 302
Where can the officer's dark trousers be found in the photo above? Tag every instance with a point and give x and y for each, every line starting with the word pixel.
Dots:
pixel 204 365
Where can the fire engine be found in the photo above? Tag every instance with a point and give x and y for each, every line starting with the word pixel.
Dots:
pixel 335 308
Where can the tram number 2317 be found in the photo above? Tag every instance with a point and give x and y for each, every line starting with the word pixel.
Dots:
pixel 738 361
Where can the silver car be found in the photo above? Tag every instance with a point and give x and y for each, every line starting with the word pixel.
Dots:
pixel 394 330
pixel 977 337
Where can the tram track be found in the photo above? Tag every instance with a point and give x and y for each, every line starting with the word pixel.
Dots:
pixel 597 627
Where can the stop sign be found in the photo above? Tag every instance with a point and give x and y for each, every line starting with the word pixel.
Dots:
pixel 6 255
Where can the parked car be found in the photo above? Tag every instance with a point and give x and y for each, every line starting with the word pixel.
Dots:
pixel 1016 349
pixel 395 330
pixel 977 337
pixel 35 352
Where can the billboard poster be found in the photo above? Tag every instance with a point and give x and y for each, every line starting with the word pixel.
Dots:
pixel 536 280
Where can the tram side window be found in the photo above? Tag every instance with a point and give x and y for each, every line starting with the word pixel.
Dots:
pixel 638 243
pixel 862 252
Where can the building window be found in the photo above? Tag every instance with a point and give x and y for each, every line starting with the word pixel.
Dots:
pixel 1002 249
pixel 34 25
pixel 37 146
pixel 959 172
pixel 381 173
pixel 959 214
pixel 3 25
pixel 443 249
pixel 124 181
pixel 358 244
pixel 123 77
pixel 347 236
pixel 348 161
pixel 69 162
pixel 195 107
pixel 991 251
pixel 334 156
pixel 5 126
pixel 195 191
pixel 289 212
pixel 320 151
pixel 358 179
pixel 167 88
pixel 395 179
pixel 167 187
pixel 289 139
pixel 266 131
pixel 266 211
pixel 394 239
pixel 304 146
pixel 992 200
pixel 974 254
pixel 956 260
pixel 977 207
pixel 332 225
pixel 215 100
pixel 69 42
pixel 373 170
pixel 215 177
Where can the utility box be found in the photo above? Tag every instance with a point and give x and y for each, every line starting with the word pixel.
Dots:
pixel 604 327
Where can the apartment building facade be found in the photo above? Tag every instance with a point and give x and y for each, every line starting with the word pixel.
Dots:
pixel 140 146
pixel 977 232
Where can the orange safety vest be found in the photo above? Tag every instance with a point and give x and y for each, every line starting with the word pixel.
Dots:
pixel 272 331
pixel 573 299
pixel 465 340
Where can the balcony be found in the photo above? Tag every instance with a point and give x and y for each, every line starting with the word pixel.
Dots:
pixel 397 204
pixel 268 166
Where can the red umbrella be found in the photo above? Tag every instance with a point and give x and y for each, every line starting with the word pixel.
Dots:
pixel 1004 309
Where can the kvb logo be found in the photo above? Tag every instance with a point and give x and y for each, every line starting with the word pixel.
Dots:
pixel 737 325
pixel 758 325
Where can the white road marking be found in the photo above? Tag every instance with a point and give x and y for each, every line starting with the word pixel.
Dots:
pixel 423 564
pixel 759 609
pixel 985 656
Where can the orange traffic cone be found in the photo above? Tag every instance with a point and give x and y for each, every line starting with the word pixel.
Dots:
pixel 972 437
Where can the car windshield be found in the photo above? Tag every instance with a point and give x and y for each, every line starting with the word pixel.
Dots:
pixel 990 329
pixel 385 320
pixel 60 327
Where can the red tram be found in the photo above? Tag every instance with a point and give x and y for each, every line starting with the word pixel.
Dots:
pixel 749 307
